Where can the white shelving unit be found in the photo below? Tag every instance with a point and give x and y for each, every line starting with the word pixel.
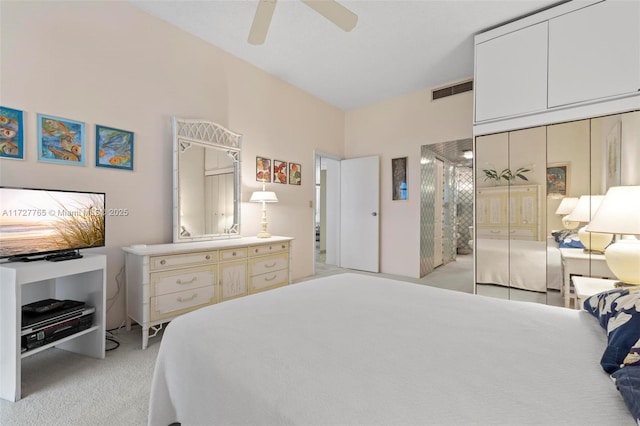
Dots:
pixel 22 283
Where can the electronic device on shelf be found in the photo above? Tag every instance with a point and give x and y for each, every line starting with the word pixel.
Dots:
pixel 47 224
pixel 66 318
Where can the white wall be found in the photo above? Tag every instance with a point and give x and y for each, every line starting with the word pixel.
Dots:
pixel 398 128
pixel 109 63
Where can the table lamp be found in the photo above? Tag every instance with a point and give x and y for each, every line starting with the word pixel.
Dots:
pixel 583 212
pixel 565 208
pixel 619 213
pixel 264 197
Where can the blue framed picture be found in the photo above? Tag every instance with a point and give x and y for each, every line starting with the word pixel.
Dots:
pixel 114 148
pixel 60 140
pixel 11 133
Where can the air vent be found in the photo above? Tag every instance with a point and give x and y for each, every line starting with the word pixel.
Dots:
pixel 467 86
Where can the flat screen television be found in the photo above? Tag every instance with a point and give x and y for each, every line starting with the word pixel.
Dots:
pixel 49 224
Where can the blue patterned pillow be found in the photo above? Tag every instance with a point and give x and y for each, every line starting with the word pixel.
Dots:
pixel 602 305
pixel 623 330
pixel 633 357
pixel 628 383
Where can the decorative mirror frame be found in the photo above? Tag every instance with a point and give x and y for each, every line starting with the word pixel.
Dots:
pixel 211 135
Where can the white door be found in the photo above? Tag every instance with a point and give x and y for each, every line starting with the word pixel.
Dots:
pixel 438 217
pixel 359 208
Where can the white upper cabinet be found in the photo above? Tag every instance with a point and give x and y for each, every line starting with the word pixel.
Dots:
pixel 511 73
pixel 594 52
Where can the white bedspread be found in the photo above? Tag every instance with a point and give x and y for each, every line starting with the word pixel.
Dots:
pixel 527 265
pixel 355 349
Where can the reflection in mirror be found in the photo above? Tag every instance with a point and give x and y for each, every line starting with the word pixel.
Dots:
pixel 206 181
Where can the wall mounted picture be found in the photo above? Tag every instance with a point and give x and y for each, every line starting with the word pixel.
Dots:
pixel 557 179
pixel 295 174
pixel 114 148
pixel 399 178
pixel 11 133
pixel 263 169
pixel 279 171
pixel 60 140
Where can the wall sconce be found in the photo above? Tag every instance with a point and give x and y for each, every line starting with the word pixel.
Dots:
pixel 619 213
pixel 264 197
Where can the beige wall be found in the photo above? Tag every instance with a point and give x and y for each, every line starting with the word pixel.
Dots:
pixel 398 128
pixel 109 63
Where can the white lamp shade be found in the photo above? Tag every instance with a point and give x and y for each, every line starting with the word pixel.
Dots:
pixel 264 196
pixel 619 212
pixel 567 205
pixel 586 208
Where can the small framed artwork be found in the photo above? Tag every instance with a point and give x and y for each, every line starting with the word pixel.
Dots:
pixel 114 148
pixel 60 140
pixel 279 171
pixel 612 168
pixel 558 179
pixel 263 169
pixel 11 133
pixel 399 178
pixel 295 174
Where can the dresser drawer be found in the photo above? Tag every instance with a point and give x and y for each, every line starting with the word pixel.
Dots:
pixel 263 265
pixel 181 260
pixel 181 279
pixel 233 254
pixel 269 280
pixel 233 279
pixel 183 301
pixel 265 249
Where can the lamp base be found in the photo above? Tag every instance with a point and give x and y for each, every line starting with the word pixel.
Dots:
pixel 594 242
pixel 264 234
pixel 623 258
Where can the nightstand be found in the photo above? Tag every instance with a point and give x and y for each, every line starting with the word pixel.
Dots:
pixel 576 262
pixel 586 287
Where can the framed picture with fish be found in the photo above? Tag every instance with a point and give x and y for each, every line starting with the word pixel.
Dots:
pixel 11 133
pixel 114 148
pixel 60 140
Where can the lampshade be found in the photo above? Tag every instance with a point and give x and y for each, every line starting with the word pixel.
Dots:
pixel 619 213
pixel 264 196
pixel 583 212
pixel 586 208
pixel 567 205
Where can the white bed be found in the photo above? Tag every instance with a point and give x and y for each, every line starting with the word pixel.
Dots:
pixel 358 349
pixel 519 263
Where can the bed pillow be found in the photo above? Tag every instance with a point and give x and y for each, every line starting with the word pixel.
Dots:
pixel 628 383
pixel 571 242
pixel 602 305
pixel 623 330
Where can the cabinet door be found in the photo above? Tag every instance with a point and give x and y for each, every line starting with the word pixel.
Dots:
pixel 233 279
pixel 511 74
pixel 594 52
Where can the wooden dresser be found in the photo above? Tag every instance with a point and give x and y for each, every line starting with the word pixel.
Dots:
pixel 164 281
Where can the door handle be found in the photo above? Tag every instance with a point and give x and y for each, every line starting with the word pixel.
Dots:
pixel 374 214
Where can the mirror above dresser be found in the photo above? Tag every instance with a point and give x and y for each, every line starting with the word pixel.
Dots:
pixel 206 181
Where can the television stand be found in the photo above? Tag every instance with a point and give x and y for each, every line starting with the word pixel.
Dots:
pixel 67 255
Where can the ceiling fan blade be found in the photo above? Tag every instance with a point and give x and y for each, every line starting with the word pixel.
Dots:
pixel 334 12
pixel 261 21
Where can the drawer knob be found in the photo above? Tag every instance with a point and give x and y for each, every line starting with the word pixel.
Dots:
pixel 162 262
pixel 256 250
pixel 270 248
pixel 233 254
pixel 283 246
pixel 208 257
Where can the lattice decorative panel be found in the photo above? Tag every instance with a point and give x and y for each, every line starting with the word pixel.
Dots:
pixel 427 200
pixel 207 131
pixel 464 210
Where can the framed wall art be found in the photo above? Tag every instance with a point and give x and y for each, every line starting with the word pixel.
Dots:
pixel 60 140
pixel 399 178
pixel 612 157
pixel 279 171
pixel 114 148
pixel 558 179
pixel 11 133
pixel 295 174
pixel 263 169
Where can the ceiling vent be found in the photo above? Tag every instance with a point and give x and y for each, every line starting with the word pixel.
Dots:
pixel 467 86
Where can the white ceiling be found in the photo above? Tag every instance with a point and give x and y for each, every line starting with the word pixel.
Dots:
pixel 397 46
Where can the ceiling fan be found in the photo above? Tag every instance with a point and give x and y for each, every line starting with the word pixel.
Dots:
pixel 330 9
